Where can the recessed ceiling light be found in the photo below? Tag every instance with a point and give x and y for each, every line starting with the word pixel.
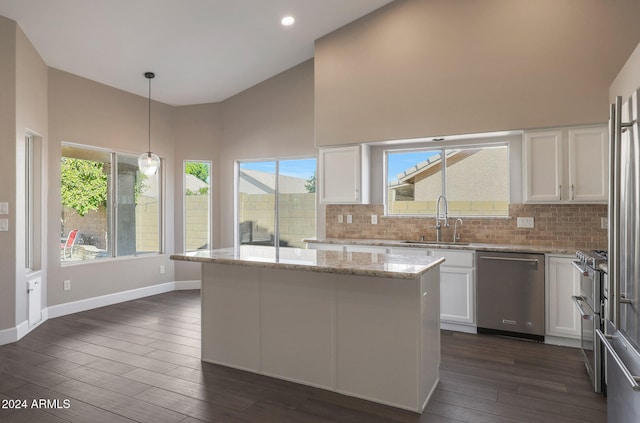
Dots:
pixel 287 21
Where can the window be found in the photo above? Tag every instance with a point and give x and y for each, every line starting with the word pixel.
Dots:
pixel 109 208
pixel 474 180
pixel 29 203
pixel 197 205
pixel 276 202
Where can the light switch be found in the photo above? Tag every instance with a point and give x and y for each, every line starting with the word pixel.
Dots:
pixel 4 225
pixel 4 207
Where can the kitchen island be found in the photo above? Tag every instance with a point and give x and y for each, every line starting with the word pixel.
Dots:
pixel 361 324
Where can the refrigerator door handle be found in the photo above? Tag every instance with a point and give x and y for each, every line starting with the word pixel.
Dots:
pixel 633 380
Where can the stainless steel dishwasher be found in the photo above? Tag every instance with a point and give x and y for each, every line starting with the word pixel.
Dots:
pixel 511 294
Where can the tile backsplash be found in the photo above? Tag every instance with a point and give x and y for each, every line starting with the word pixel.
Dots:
pixel 555 225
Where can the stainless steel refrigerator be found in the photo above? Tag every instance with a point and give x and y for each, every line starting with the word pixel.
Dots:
pixel 622 338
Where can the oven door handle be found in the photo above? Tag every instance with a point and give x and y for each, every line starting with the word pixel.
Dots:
pixel 580 268
pixel 577 301
pixel 633 380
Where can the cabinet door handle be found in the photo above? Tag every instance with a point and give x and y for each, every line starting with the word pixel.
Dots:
pixel 560 191
pixel 573 192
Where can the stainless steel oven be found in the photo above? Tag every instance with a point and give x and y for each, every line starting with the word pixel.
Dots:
pixel 590 304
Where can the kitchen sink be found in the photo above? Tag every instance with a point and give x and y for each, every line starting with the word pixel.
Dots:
pixel 436 242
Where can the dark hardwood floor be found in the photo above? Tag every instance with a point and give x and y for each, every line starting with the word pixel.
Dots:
pixel 139 361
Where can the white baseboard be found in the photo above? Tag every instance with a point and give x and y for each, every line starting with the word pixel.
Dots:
pixel 8 336
pixel 14 334
pixel 109 299
pixel 23 328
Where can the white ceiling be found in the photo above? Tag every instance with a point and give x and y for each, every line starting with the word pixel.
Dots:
pixel 202 51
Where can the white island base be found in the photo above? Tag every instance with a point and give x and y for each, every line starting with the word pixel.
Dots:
pixel 375 338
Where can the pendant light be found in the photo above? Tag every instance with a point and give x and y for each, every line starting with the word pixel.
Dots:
pixel 148 162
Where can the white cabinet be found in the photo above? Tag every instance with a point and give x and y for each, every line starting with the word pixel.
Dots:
pixel 566 165
pixel 457 281
pixel 457 290
pixel 543 166
pixel 344 175
pixel 588 164
pixel 562 282
pixel 457 286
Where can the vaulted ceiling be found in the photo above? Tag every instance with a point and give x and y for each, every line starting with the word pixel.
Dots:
pixel 202 51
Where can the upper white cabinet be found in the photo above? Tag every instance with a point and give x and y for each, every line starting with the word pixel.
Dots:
pixel 589 164
pixel 542 166
pixel 344 175
pixel 566 165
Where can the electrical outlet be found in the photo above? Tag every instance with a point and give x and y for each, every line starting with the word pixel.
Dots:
pixel 525 222
pixel 349 219
pixel 4 208
pixel 604 223
pixel 340 218
pixel 66 285
pixel 4 225
pixel 374 219
pixel 162 269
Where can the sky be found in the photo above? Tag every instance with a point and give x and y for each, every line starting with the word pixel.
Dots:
pixel 300 168
pixel 399 162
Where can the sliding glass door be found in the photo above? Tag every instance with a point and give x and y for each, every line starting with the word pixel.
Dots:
pixel 276 202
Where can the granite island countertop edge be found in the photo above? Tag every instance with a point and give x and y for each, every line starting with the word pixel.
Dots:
pixel 344 266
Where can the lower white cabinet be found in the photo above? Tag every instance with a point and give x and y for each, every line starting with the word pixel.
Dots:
pixel 457 290
pixel 457 296
pixel 562 282
pixel 457 286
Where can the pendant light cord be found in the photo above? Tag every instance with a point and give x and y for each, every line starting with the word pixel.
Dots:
pixel 149 151
pixel 149 76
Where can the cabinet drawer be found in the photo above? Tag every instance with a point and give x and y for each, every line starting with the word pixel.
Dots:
pixel 455 258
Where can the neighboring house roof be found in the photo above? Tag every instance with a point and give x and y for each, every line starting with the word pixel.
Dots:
pixel 257 182
pixel 429 166
pixel 194 184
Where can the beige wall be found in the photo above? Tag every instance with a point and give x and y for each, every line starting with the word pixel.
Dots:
pixel 273 119
pixel 419 68
pixel 628 80
pixel 8 170
pixel 86 112
pixel 198 137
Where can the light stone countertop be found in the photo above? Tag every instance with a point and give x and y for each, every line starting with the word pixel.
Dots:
pixel 507 248
pixel 361 264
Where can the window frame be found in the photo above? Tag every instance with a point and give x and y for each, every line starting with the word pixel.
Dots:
pixel 112 203
pixel 236 187
pixel 184 203
pixel 442 147
pixel 29 199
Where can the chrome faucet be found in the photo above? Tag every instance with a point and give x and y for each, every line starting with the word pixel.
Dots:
pixel 456 235
pixel 439 218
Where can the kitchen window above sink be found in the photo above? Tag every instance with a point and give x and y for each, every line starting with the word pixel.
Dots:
pixel 474 179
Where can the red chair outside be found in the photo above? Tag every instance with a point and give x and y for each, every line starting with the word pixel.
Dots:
pixel 67 247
